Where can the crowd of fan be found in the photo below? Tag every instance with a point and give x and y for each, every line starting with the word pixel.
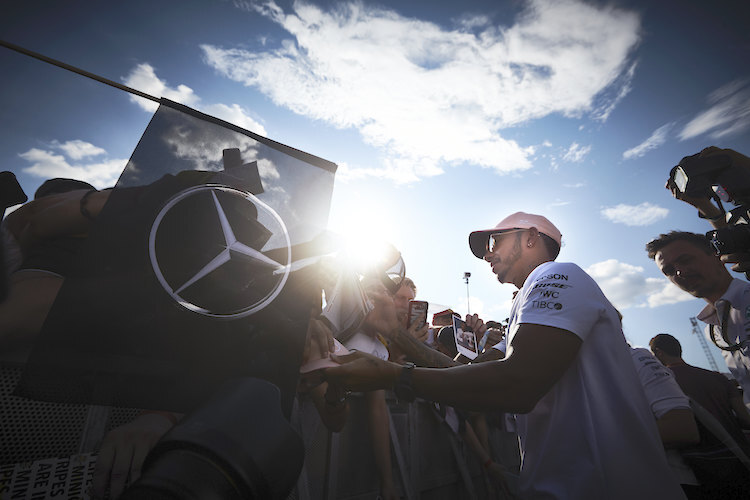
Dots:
pixel 595 417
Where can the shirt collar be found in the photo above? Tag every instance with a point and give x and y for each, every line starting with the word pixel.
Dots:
pixel 733 294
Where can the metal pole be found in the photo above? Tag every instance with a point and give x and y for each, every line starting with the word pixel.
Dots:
pixel 466 280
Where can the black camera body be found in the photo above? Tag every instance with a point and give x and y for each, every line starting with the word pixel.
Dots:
pixel 735 237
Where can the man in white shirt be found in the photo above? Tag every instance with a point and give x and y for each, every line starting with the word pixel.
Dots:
pixel 584 425
pixel 689 262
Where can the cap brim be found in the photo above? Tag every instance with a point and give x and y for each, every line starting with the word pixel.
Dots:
pixel 478 241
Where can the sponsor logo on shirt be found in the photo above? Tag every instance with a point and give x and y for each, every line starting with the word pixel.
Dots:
pixel 553 285
pixel 563 277
pixel 543 304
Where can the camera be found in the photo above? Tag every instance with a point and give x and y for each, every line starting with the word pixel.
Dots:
pixel 719 177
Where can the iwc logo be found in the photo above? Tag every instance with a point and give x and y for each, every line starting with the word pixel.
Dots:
pixel 206 248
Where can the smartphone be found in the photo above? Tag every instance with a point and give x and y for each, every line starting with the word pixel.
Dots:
pixel 417 312
pixel 466 340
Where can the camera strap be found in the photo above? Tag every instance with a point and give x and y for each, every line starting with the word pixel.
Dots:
pixel 723 326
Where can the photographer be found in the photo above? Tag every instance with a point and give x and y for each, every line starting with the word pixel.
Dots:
pixel 689 262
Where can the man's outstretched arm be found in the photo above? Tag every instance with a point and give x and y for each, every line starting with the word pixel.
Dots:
pixel 536 361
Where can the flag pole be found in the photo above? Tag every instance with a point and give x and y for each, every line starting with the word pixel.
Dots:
pixel 79 71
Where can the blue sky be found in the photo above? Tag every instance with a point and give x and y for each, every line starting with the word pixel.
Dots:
pixel 442 117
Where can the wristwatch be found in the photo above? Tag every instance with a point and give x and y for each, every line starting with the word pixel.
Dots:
pixel 403 388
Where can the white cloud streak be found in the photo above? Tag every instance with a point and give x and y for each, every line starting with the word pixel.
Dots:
pixel 728 113
pixel 627 286
pixel 77 149
pixel 657 138
pixel 635 215
pixel 429 97
pixel 46 163
pixel 143 77
pixel 576 153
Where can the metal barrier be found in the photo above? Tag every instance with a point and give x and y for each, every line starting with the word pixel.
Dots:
pixel 429 460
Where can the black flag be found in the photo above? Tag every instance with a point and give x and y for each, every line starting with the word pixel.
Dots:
pixel 188 276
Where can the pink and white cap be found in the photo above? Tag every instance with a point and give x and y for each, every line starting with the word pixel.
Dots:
pixel 478 240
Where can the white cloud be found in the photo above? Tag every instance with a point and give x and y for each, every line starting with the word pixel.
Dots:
pixel 488 312
pixel 728 114
pixel 558 203
pixel 667 294
pixel 626 286
pixel 575 186
pixel 654 141
pixel 237 115
pixel 620 89
pixel 635 215
pixel 576 153
pixel 433 96
pixel 78 149
pixel 143 77
pixel 46 164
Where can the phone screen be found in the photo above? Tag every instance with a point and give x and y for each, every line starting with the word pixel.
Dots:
pixel 417 312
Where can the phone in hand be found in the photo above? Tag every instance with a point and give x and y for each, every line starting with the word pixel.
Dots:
pixel 417 312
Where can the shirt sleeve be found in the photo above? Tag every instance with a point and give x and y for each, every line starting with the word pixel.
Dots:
pixel 562 295
pixel 661 389
pixel 501 346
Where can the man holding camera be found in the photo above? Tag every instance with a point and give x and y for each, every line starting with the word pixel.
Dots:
pixel 689 261
pixel 693 181
pixel 584 425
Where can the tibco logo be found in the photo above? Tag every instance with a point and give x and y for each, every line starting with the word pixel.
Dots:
pixel 543 304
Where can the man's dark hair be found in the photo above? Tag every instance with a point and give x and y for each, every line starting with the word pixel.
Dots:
pixel 666 343
pixel 695 239
pixel 553 249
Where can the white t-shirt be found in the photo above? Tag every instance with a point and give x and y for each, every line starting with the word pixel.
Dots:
pixel 663 394
pixel 364 343
pixel 592 436
pixel 738 362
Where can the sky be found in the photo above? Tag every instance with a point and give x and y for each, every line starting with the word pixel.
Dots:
pixel 443 118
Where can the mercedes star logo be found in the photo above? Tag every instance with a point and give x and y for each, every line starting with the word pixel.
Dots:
pixel 220 251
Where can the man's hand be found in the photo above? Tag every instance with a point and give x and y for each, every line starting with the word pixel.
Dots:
pixel 494 338
pixel 475 323
pixel 419 332
pixel 741 261
pixel 318 342
pixel 123 451
pixel 363 372
pixel 704 204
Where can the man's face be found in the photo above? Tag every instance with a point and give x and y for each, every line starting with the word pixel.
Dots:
pixel 401 301
pixel 382 302
pixel 503 253
pixel 693 270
